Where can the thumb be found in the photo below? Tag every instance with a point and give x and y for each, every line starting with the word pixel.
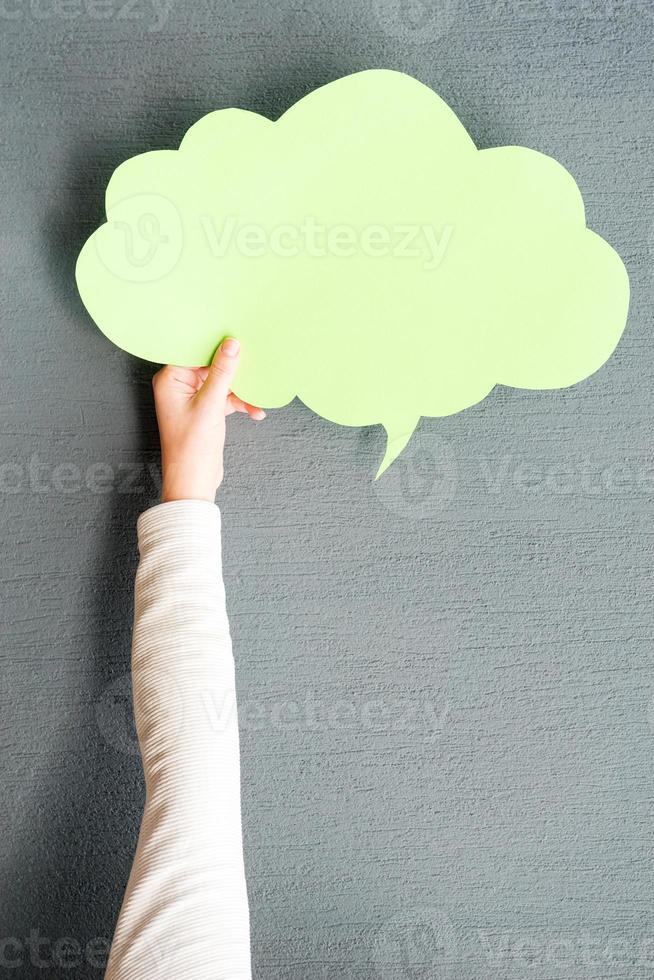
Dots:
pixel 222 370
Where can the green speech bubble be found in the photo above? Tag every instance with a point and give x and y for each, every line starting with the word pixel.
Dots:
pixel 372 261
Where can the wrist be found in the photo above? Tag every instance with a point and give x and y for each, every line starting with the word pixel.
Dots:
pixel 181 483
pixel 169 494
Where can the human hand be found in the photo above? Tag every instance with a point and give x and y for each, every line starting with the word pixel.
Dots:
pixel 191 405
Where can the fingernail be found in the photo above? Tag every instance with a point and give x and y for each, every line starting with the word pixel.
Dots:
pixel 230 346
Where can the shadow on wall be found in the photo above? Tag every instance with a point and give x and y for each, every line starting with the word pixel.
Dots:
pixel 70 221
pixel 63 886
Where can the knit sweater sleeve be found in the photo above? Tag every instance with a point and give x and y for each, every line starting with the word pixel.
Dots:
pixel 185 910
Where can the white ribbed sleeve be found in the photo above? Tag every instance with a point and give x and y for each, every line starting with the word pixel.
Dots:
pixel 185 911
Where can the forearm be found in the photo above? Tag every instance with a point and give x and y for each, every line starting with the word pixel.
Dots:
pixel 185 910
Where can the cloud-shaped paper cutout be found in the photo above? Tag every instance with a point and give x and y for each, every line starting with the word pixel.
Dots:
pixel 372 261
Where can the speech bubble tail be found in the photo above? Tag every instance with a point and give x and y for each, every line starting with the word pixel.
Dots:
pixel 397 440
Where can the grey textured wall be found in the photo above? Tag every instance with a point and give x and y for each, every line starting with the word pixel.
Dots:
pixel 445 678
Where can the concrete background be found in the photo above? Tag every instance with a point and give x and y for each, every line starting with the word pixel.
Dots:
pixel 445 678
